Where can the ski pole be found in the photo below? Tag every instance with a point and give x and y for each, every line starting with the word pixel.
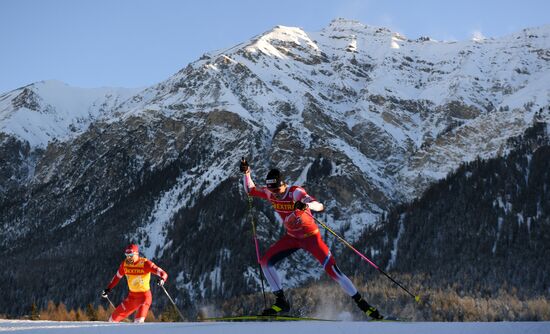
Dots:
pixel 416 297
pixel 254 235
pixel 172 301
pixel 244 168
pixel 110 302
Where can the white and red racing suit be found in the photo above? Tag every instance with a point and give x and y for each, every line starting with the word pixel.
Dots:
pixel 301 233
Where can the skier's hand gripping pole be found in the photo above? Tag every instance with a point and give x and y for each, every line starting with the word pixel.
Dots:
pixel 244 167
pixel 416 297
pixel 105 294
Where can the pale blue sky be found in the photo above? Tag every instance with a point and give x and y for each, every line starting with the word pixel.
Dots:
pixel 136 43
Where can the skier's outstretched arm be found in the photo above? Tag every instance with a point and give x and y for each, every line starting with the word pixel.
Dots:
pixel 249 185
pixel 315 206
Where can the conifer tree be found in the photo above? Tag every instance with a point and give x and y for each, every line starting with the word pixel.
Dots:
pixel 91 313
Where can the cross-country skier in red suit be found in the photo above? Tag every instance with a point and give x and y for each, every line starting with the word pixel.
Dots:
pixel 293 206
pixel 138 274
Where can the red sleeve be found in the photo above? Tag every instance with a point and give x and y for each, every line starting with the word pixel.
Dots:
pixel 119 274
pixel 258 193
pixel 150 267
pixel 251 189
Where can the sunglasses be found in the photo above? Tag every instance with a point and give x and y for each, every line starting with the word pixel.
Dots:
pixel 128 255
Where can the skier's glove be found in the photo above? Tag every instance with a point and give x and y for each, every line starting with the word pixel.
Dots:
pixel 105 293
pixel 299 205
pixel 244 165
pixel 160 283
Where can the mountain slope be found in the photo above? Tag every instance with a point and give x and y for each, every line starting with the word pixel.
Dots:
pixel 485 226
pixel 360 115
pixel 51 110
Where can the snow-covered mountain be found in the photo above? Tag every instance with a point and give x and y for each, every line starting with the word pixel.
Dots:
pixel 415 99
pixel 399 113
pixel 362 116
pixel 51 110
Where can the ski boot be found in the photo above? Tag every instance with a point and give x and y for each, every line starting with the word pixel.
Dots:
pixel 369 310
pixel 280 306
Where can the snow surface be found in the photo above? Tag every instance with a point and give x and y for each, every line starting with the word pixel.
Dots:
pixel 317 327
pixel 61 111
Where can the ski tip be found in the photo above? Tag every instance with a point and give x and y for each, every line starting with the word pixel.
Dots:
pixel 417 298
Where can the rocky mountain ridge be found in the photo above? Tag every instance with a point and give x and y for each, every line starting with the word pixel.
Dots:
pixel 362 116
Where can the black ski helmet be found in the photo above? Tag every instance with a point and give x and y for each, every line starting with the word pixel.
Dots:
pixel 274 179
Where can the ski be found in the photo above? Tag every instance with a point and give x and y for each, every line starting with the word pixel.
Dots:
pixel 265 318
pixel 288 318
pixel 389 319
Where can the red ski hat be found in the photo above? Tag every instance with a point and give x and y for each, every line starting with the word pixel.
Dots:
pixel 131 249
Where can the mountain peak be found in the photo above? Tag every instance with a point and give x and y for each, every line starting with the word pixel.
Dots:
pixel 272 41
pixel 283 33
pixel 342 27
pixel 345 24
pixel 48 109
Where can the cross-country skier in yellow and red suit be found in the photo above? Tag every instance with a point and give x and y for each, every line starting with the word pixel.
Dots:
pixel 138 275
pixel 293 206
